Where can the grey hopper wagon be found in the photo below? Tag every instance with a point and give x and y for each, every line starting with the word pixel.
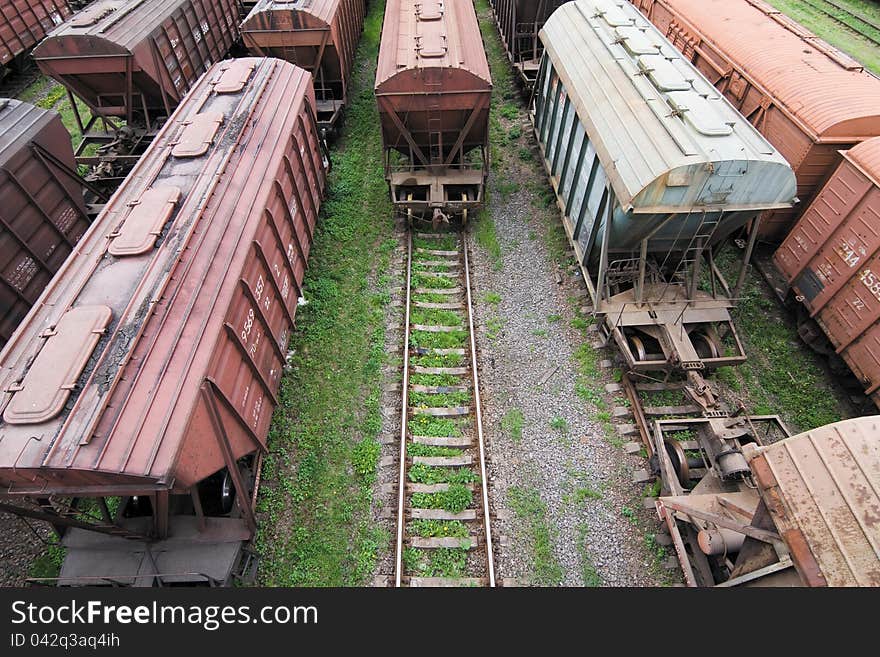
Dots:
pixel 652 169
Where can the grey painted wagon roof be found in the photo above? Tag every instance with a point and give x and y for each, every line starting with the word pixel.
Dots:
pixel 646 108
pixel 18 123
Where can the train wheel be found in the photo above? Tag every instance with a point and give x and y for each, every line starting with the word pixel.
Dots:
pixel 679 461
pixel 637 346
pixel 705 346
pixel 464 212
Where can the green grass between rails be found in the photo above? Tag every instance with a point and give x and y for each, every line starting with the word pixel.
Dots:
pixel 527 505
pixel 845 38
pixel 314 505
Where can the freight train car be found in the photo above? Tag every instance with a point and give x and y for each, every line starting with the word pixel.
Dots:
pixel 42 215
pixel 519 22
pixel 24 23
pixel 808 517
pixel 135 59
pixel 320 36
pixel 141 386
pixel 831 260
pixel 433 89
pixel 652 169
pixel 808 98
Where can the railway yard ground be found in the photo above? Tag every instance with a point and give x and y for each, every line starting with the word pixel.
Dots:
pixel 851 25
pixel 567 499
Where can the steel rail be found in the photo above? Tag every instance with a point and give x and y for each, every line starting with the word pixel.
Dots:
pixel 404 416
pixel 479 417
pixel 837 19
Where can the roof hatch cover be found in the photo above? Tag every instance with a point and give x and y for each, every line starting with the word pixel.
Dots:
pixel 53 374
pixel 145 222
pixel 197 134
pixel 234 76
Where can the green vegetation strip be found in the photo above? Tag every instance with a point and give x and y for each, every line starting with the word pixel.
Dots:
pixel 781 376
pixel 455 500
pixel 527 505
pixel 427 474
pixel 314 505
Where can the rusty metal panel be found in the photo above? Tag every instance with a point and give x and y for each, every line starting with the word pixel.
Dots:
pixel 53 374
pixel 137 58
pixel 191 361
pixel 808 98
pixel 24 23
pixel 318 35
pixel 831 259
pixel 42 215
pixel 432 73
pixel 823 487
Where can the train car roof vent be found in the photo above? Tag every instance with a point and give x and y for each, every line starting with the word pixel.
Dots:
pixel 635 41
pixel 144 222
pixel 234 76
pixel 95 12
pixel 198 134
pixel 432 48
pixel 52 376
pixel 615 17
pixel 429 11
pixel 663 73
pixel 699 113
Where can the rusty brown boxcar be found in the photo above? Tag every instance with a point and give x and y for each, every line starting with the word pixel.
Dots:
pixel 24 23
pixel 807 518
pixel 831 259
pixel 519 22
pixel 42 214
pixel 433 89
pixel 809 99
pixel 135 59
pixel 149 369
pixel 321 36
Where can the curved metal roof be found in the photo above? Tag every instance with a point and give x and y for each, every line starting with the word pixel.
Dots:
pixel 418 34
pixel 867 156
pixel 125 23
pixel 820 86
pixel 650 113
pixel 322 10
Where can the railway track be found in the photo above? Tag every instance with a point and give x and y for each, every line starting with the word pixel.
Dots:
pixel 444 534
pixel 855 17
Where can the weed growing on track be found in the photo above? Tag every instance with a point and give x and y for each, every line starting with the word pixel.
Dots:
pixel 512 424
pixel 781 376
pixel 438 529
pixel 427 474
pixel 528 506
pixel 455 499
pixel 589 573
pixel 314 506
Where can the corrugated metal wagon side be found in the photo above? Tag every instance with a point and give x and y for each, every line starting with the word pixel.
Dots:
pixel 321 36
pixel 42 214
pixel 150 368
pixel 519 22
pixel 808 98
pixel 135 59
pixel 433 89
pixel 831 259
pixel 23 24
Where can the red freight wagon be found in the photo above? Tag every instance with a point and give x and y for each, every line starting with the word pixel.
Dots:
pixel 148 370
pixel 809 99
pixel 321 36
pixel 135 59
pixel 433 89
pixel 42 214
pixel 24 23
pixel 831 259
